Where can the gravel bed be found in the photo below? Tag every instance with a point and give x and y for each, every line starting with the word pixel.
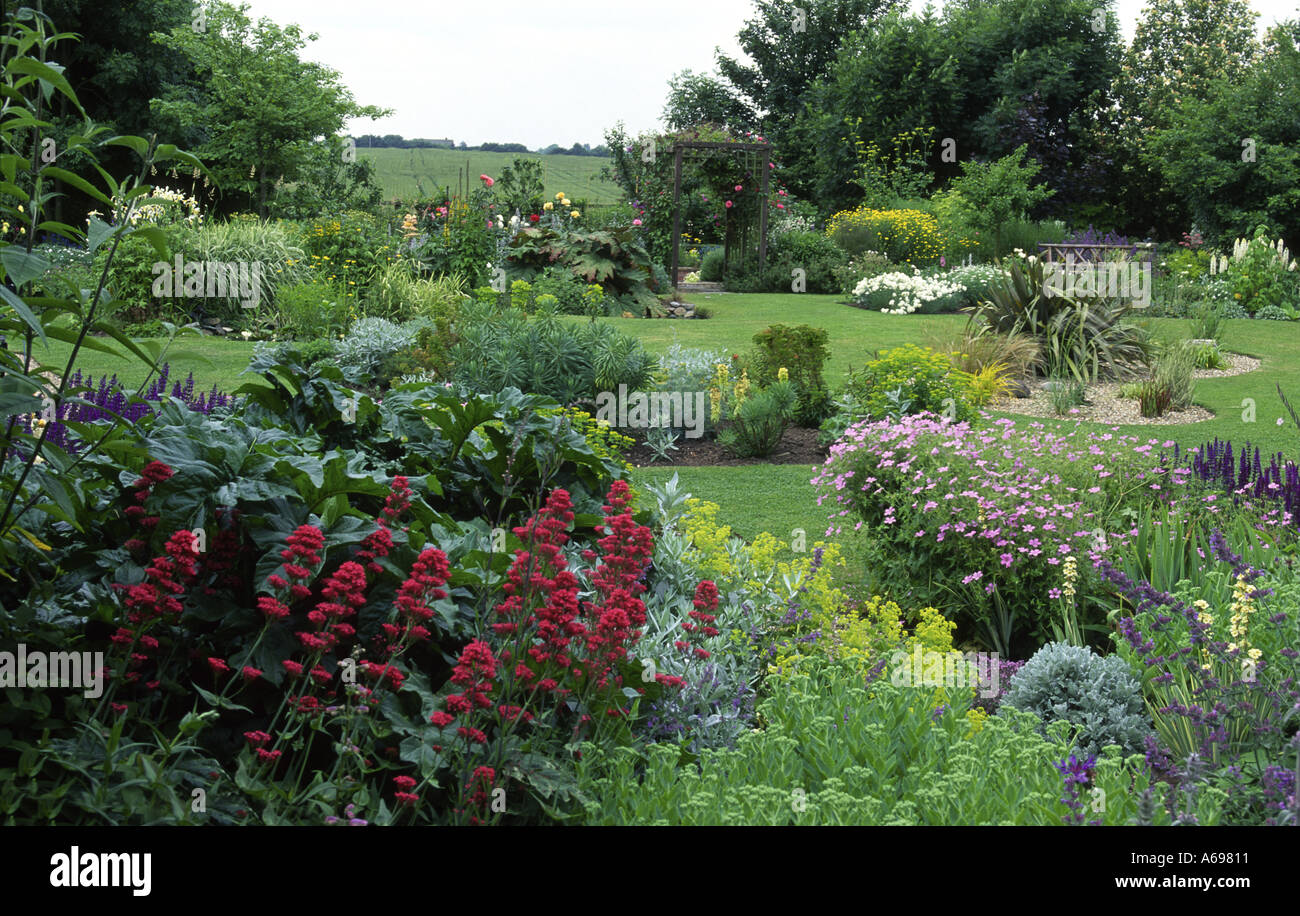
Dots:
pixel 1106 406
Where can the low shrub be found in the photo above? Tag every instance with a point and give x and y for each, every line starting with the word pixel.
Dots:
pixel 312 310
pixel 759 421
pixel 1097 695
pixel 712 266
pixel 903 236
pixel 862 267
pixel 838 751
pixel 801 351
pixel 907 380
pixel 369 344
pixel 568 361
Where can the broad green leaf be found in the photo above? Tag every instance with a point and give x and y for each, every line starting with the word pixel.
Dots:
pixel 97 233
pixel 22 266
pixel 81 184
pixel 23 311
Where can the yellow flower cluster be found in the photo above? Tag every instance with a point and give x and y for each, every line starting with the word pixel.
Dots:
pixel 903 235
pixel 1070 572
pixel 721 378
pixel 1239 626
pixel 1204 616
pixel 783 374
pixel 741 391
pixel 755 566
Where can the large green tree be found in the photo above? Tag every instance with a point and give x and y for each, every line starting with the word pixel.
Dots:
pixel 789 46
pixel 896 77
pixel 1181 49
pixel 1233 157
pixel 697 98
pixel 256 112
pixel 987 75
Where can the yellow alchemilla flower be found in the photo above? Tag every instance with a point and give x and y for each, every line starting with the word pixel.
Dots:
pixel 782 374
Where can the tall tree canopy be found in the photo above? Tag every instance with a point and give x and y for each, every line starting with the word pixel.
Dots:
pixel 255 112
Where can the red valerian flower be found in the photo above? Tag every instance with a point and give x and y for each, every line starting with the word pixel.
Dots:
pixel 250 673
pixel 271 608
pixel 218 666
pixel 441 719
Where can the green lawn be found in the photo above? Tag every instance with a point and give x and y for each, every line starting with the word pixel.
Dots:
pixel 738 316
pixel 409 173
pixel 213 360
pixel 778 498
pixel 788 502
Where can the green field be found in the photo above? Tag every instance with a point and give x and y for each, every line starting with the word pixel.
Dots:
pixel 410 173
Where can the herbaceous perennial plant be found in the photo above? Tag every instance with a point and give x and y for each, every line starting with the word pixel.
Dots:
pixel 558 660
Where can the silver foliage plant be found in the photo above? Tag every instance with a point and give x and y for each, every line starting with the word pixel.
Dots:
pixel 717 703
pixel 1098 695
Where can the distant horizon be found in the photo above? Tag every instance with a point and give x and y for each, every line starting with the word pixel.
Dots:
pixel 442 143
pixel 535 75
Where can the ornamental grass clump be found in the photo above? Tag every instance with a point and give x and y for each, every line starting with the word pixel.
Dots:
pixel 760 420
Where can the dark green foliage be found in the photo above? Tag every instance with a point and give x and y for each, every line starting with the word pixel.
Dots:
pixel 568 361
pixel 616 259
pixel 760 421
pixel 801 351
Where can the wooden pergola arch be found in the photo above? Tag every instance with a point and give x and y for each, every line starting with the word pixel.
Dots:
pixel 701 150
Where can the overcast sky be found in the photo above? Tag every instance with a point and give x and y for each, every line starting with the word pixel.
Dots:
pixel 524 71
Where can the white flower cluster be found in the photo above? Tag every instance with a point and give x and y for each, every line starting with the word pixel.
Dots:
pixel 907 292
pixel 1241 247
pixel 975 275
pixel 154 209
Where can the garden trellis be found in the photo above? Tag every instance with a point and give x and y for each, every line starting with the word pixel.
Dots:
pixel 754 159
